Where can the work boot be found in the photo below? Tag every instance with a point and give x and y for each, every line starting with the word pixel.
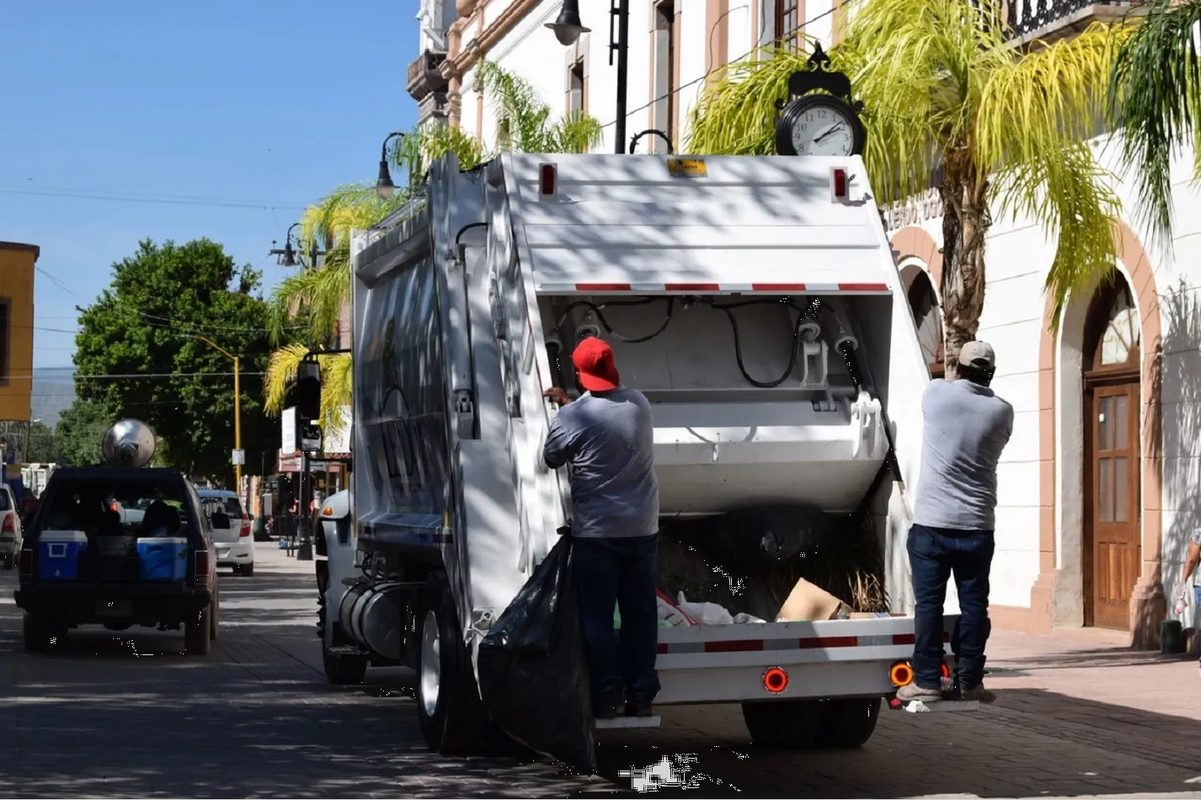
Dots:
pixel 911 691
pixel 979 694
pixel 638 709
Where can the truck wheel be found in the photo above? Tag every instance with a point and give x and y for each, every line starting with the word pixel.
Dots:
pixel 452 716
pixel 850 722
pixel 343 669
pixel 198 633
pixel 784 724
pixel 37 633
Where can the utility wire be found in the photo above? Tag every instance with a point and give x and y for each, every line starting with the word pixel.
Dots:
pixel 720 67
pixel 150 199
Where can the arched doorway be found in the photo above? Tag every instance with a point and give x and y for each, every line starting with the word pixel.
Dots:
pixel 927 316
pixel 1112 503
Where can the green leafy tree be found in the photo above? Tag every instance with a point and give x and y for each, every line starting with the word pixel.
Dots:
pixel 38 443
pixel 79 432
pixel 147 323
pixel 1155 103
pixel 943 87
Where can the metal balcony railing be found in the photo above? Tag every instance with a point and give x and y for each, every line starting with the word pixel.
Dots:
pixel 425 75
pixel 1026 17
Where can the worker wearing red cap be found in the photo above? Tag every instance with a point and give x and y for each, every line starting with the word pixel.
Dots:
pixel 607 437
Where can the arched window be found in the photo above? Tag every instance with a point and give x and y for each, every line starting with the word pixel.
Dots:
pixel 927 316
pixel 1112 332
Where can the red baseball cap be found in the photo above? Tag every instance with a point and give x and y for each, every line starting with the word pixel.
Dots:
pixel 594 360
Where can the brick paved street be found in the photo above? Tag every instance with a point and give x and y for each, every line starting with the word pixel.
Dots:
pixel 120 715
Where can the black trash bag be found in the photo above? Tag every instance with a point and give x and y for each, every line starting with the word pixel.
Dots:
pixel 762 538
pixel 533 670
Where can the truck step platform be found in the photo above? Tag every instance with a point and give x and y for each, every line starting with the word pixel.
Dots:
pixel 629 722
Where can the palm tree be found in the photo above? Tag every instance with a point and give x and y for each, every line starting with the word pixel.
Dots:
pixel 306 307
pixel 1155 103
pixel 943 88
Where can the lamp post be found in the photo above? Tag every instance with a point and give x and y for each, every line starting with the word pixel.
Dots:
pixel 237 403
pixel 290 256
pixel 384 187
pixel 568 27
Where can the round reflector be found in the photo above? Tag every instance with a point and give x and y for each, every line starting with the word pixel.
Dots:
pixel 775 680
pixel 901 674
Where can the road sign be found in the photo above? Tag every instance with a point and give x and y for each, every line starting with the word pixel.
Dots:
pixel 238 458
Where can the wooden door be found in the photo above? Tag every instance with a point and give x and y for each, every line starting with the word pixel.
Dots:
pixel 1112 507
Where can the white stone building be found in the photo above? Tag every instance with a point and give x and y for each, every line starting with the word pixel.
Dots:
pixel 1102 480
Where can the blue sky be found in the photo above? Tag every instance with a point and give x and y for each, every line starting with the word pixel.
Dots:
pixel 258 107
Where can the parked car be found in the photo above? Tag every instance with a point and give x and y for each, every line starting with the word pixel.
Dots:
pixel 82 565
pixel 235 545
pixel 10 527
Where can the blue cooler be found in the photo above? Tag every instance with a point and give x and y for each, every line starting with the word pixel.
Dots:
pixel 163 558
pixel 58 554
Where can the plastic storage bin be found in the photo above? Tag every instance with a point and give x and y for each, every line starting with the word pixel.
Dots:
pixel 163 558
pixel 58 554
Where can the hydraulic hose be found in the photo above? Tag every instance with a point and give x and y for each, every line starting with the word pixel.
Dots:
pixel 847 348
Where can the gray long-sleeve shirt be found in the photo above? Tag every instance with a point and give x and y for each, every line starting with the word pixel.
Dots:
pixel 609 441
pixel 966 428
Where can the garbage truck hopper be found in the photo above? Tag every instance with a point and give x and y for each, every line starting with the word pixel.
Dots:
pixel 756 303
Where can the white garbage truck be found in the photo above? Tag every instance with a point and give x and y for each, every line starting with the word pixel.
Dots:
pixel 756 303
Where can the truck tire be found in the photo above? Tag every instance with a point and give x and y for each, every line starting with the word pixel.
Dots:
pixel 849 722
pixel 198 633
pixel 37 634
pixel 453 718
pixel 784 724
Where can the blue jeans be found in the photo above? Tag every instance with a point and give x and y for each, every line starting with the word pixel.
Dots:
pixel 935 554
pixel 619 572
pixel 1197 608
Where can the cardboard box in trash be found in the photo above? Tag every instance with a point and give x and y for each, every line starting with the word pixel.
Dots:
pixel 808 602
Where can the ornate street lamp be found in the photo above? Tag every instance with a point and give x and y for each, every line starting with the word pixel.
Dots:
pixel 567 30
pixel 384 186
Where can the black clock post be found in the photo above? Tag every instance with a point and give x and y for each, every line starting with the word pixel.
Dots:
pixel 816 96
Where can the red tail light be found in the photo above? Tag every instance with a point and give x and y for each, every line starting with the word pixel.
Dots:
pixel 9 523
pixel 547 178
pixel 202 567
pixel 245 526
pixel 838 183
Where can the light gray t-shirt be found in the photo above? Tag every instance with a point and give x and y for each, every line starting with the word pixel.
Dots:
pixel 966 428
pixel 609 441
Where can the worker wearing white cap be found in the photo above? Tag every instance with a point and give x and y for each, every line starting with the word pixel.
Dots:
pixel 966 428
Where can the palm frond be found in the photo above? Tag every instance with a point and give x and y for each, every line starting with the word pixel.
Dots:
pixel 346 208
pixel 736 114
pixel 1046 100
pixel 1154 99
pixel 924 61
pixel 281 374
pixel 1070 194
pixel 337 373
pixel 576 133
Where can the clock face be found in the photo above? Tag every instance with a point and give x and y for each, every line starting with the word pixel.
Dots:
pixel 823 131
